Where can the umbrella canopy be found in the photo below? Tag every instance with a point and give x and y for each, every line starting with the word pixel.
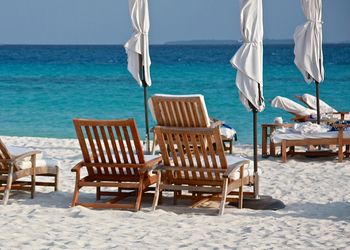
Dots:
pixel 248 60
pixel 308 42
pixel 136 47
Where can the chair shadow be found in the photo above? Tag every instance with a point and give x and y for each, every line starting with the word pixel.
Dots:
pixel 58 199
pixel 333 211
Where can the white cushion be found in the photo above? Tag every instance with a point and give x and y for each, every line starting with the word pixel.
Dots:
pixel 15 151
pixel 232 160
pixel 39 163
pixel 248 170
pixel 311 101
pixel 227 132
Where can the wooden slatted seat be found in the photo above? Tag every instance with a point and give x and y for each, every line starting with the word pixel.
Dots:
pixel 113 157
pixel 14 167
pixel 198 167
pixel 186 111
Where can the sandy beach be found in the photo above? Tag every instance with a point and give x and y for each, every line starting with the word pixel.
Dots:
pixel 315 192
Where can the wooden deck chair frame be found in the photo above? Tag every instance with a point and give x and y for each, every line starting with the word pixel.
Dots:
pixel 203 170
pixel 113 158
pixel 11 173
pixel 183 111
pixel 339 141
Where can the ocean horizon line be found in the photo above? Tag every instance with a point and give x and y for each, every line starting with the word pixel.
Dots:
pixel 170 43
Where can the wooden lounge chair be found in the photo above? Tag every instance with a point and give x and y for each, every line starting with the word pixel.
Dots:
pixel 15 166
pixel 300 112
pixel 310 101
pixel 290 141
pixel 199 168
pixel 186 111
pixel 113 158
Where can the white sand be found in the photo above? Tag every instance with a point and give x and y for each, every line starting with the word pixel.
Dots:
pixel 317 214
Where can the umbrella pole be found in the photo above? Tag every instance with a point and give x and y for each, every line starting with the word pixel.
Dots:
pixel 146 116
pixel 255 151
pixel 318 101
pixel 144 84
pixel 259 202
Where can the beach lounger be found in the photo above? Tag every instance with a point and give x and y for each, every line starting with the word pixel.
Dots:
pixel 288 137
pixel 187 111
pixel 113 158
pixel 299 111
pixel 207 174
pixel 310 101
pixel 17 163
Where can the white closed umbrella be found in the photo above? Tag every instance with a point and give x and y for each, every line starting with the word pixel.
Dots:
pixel 137 49
pixel 308 45
pixel 248 61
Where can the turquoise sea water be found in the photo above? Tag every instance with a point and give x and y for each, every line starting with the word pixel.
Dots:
pixel 43 87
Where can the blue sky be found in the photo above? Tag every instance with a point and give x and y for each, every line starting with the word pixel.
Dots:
pixel 107 21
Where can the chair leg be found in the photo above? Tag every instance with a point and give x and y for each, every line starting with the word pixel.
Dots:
pixel 8 185
pixel 157 191
pixel 240 198
pixel 76 189
pixel 223 197
pixel 176 194
pixel 154 144
pixel 98 193
pixel 33 176
pixel 284 151
pixel 139 194
pixel 32 189
pixel 56 179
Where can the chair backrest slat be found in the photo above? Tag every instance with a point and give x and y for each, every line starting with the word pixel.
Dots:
pixel 105 142
pixel 195 150
pixel 212 153
pixel 4 155
pixel 114 145
pixel 139 151
pixel 121 144
pixel 99 146
pixel 92 145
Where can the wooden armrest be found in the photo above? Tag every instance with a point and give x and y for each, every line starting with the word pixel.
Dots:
pixel 7 161
pixel 151 165
pixel 162 167
pixel 274 125
pixel 77 166
pixel 154 162
pixel 26 154
pixel 233 168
